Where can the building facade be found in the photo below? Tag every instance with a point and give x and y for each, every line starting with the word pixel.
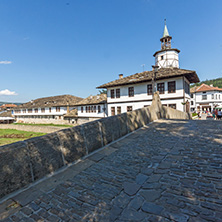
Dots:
pixel 205 98
pixel 135 91
pixel 46 110
pixel 92 108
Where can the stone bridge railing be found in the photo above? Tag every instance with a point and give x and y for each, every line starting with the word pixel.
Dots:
pixel 24 162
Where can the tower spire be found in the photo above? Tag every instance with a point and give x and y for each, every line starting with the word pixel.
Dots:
pixel 165 32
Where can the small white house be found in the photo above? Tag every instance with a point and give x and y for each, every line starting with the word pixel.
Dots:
pixel 92 108
pixel 205 98
pixel 135 91
pixel 46 110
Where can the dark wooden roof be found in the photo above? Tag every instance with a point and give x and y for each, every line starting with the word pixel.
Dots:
pixel 98 99
pixel 6 114
pixel 163 73
pixel 52 101
pixel 73 113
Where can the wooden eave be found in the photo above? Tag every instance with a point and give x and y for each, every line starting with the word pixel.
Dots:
pixel 163 50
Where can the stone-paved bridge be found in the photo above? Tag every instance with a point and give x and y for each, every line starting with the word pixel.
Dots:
pixel 166 171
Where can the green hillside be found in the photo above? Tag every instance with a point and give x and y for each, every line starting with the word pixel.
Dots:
pixel 216 82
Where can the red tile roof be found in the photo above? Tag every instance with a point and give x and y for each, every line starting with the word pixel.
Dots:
pixel 8 106
pixel 204 87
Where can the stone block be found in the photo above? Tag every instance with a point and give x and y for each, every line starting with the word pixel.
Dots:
pixel 72 143
pixel 45 154
pixel 14 167
pixel 132 121
pixel 110 129
pixel 144 115
pixel 123 124
pixel 93 136
pixel 140 118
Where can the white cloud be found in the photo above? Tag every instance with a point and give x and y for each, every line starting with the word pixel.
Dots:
pixel 5 62
pixel 7 92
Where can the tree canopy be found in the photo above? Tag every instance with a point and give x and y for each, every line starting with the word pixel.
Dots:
pixel 216 82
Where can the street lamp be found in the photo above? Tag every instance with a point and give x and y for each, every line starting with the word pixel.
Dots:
pixel 155 69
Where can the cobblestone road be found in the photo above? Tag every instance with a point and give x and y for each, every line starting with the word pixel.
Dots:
pixel 167 171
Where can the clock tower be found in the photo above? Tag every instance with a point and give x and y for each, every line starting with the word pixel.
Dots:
pixel 167 57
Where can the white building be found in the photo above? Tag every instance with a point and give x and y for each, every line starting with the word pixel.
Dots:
pixel 205 98
pixel 92 108
pixel 135 91
pixel 46 110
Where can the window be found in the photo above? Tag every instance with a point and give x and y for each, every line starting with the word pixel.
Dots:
pixel 29 110
pixel 50 109
pixel 112 94
pixel 81 109
pixel 57 109
pixel 24 110
pixel 94 110
pixel 219 96
pixel 118 109
pixel 216 96
pixel 129 108
pixel 42 110
pixel 131 91
pixel 204 97
pixel 99 109
pixel 164 104
pixel 192 103
pixel 174 106
pixel 113 111
pixel 149 89
pixel 117 93
pixel 187 88
pixel 212 96
pixel 160 87
pixel 36 110
pixel 161 57
pixel 172 87
pixel 191 95
pixel 89 109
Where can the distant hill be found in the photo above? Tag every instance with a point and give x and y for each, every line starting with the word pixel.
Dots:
pixel 215 82
pixel 1 103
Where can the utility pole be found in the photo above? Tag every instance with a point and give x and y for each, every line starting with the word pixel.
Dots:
pixel 143 66
pixel 155 70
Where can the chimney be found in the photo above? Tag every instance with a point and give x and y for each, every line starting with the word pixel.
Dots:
pixel 211 85
pixel 120 76
pixel 67 106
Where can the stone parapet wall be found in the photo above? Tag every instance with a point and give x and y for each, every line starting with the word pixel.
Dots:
pixel 24 162
pixel 43 120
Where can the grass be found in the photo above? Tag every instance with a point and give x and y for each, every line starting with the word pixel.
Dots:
pixel 194 114
pixel 38 124
pixel 8 136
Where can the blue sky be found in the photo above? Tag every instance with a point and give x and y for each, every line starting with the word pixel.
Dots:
pixel 56 47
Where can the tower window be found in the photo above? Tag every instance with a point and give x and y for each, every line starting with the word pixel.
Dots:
pixel 161 57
